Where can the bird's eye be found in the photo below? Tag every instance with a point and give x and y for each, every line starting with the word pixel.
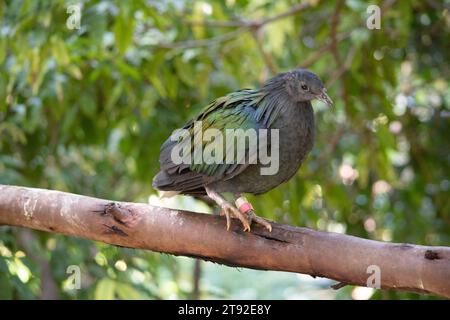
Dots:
pixel 304 87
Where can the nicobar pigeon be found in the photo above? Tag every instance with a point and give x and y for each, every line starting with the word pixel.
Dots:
pixel 283 103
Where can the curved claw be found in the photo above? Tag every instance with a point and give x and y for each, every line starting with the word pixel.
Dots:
pixel 225 212
pixel 242 218
pixel 253 217
pixel 229 210
pixel 228 222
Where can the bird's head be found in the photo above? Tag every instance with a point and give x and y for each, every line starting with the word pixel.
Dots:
pixel 303 85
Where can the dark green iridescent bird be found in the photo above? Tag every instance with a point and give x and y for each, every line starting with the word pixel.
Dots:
pixel 283 103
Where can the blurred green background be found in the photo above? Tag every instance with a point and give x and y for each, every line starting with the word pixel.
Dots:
pixel 85 111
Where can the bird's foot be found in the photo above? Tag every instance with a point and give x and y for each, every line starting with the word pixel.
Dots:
pixel 252 217
pixel 246 208
pixel 228 210
pixel 242 211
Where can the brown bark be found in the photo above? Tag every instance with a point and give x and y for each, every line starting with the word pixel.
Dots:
pixel 340 257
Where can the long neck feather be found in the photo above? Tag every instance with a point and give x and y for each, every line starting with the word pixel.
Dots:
pixel 274 99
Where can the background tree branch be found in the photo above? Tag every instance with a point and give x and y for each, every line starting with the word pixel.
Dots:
pixel 340 257
pixel 243 26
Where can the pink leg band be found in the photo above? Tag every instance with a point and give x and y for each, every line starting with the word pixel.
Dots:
pixel 243 205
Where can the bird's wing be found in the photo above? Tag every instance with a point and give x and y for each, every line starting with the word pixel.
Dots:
pixel 236 110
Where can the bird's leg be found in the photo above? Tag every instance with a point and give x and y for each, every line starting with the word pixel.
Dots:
pixel 228 209
pixel 246 208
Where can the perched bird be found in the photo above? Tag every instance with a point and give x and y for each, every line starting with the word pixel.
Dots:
pixel 283 103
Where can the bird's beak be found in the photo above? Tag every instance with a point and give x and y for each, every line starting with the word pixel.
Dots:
pixel 325 98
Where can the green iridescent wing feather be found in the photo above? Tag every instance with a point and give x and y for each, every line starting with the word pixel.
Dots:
pixel 236 110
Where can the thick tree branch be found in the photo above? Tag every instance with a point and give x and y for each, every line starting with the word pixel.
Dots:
pixel 340 257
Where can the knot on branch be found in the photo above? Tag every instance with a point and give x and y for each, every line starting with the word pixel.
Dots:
pixel 431 255
pixel 120 214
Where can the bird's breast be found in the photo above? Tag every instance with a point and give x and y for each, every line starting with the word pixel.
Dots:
pixel 296 138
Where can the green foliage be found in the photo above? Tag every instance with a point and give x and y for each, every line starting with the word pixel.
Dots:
pixel 86 111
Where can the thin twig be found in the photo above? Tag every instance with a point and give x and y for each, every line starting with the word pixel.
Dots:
pixel 195 295
pixel 257 35
pixel 217 23
pixel 244 26
pixel 320 52
pixel 251 23
pixel 292 11
pixel 339 72
pixel 333 33
pixel 202 42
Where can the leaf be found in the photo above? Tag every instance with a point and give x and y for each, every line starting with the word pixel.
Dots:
pixel 170 83
pixel 16 133
pixel 59 51
pixel 69 119
pixel 197 15
pixel 362 165
pixel 105 289
pixel 114 95
pixel 88 105
pixel 159 86
pixel 185 72
pixel 6 293
pixel 74 71
pixel 123 32
pixel 127 292
pixel 2 49
pixel 129 70
pixel 148 102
